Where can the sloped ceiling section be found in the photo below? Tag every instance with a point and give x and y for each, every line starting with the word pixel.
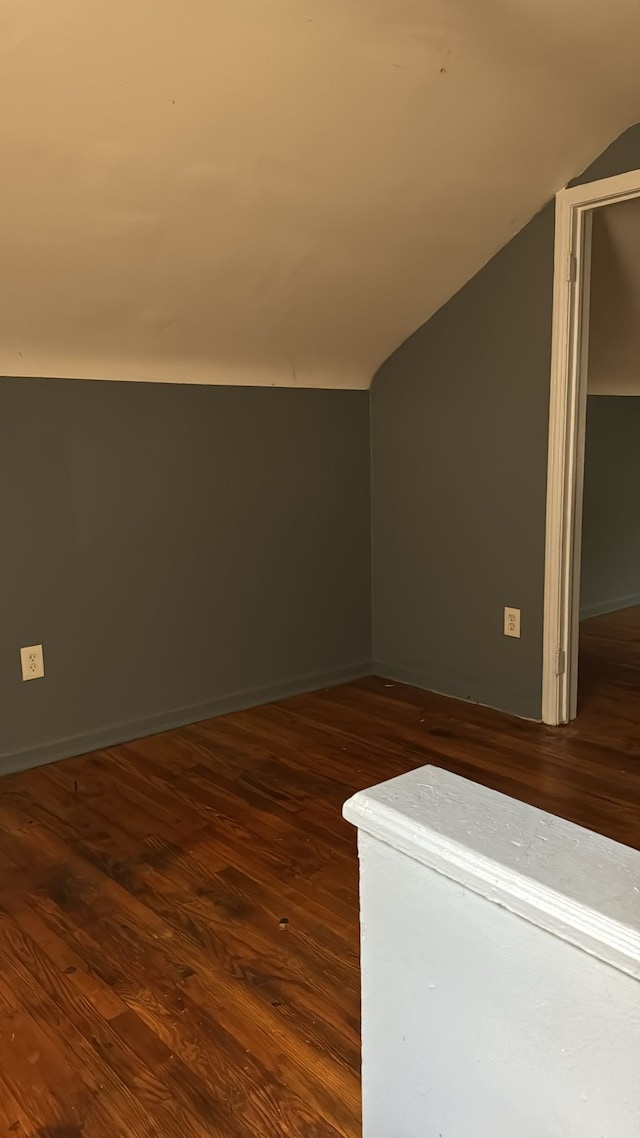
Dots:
pixel 614 323
pixel 279 191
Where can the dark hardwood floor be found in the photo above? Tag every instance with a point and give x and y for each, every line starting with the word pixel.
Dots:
pixel 147 984
pixel 609 665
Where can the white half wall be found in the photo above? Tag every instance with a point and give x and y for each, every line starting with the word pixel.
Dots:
pixel 500 964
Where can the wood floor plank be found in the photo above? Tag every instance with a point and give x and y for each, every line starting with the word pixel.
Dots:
pixel 14 1121
pixel 153 955
pixel 34 1059
pixel 146 986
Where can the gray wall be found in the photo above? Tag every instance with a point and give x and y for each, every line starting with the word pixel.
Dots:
pixel 459 429
pixel 610 576
pixel 178 550
pixel 459 418
pixel 183 550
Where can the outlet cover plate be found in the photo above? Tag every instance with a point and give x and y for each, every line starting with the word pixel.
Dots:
pixel 32 660
pixel 512 622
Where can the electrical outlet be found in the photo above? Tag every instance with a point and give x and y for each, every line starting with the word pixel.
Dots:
pixel 512 622
pixel 32 662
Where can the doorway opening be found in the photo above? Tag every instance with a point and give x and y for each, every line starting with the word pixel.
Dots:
pixel 575 211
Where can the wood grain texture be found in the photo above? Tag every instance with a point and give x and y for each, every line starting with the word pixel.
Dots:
pixel 147 987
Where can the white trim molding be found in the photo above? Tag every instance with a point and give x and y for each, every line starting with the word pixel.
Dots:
pixel 576 884
pixel 567 417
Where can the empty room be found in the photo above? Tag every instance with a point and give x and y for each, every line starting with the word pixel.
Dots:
pixel 319 778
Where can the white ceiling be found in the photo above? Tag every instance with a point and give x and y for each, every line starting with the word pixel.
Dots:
pixel 279 191
pixel 614 322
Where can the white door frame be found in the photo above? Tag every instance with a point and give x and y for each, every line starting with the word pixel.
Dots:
pixel 567 425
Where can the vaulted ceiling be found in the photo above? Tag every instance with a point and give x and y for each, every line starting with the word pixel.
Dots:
pixel 279 191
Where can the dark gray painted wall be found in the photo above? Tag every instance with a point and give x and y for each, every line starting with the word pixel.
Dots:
pixel 178 550
pixel 622 155
pixel 610 574
pixel 459 444
pixel 459 418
